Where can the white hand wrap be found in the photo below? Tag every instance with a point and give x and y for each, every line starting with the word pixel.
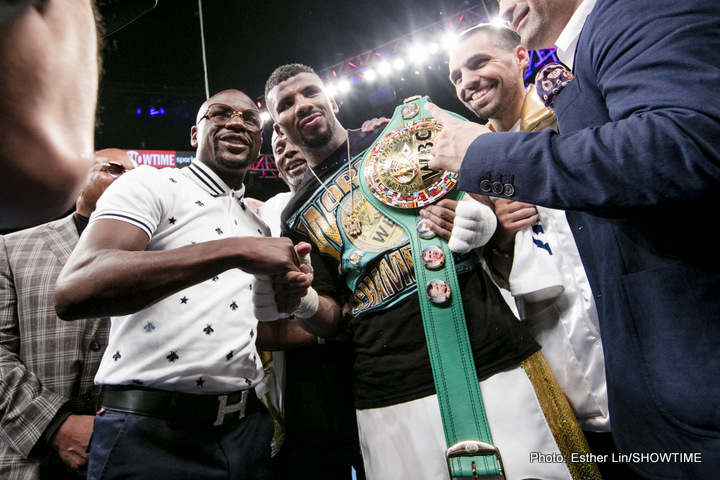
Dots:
pixel 474 225
pixel 309 306
pixel 311 301
pixel 264 304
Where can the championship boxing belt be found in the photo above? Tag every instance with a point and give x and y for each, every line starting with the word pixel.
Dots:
pixel 394 176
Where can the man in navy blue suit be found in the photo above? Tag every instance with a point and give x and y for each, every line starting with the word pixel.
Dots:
pixel 636 164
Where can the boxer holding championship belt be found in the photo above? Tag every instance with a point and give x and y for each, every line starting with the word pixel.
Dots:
pixel 414 299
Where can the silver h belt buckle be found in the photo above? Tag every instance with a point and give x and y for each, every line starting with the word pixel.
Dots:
pixel 225 409
pixel 474 448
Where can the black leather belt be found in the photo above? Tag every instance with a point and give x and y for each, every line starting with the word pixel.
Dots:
pixel 181 408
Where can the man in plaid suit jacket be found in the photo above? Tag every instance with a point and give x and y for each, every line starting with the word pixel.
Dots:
pixel 47 366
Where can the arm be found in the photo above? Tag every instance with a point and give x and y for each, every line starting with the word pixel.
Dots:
pixel 49 81
pixel 512 217
pixel 283 334
pixel 327 321
pixel 110 261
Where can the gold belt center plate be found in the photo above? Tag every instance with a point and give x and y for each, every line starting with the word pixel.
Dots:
pixel 397 170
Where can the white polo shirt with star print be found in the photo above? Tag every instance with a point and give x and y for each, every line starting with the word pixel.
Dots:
pixel 201 339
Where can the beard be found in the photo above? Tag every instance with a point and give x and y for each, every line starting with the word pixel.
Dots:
pixel 483 110
pixel 504 96
pixel 319 140
pixel 294 180
pixel 489 108
pixel 236 163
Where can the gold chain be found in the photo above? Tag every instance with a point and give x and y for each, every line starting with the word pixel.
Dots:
pixel 353 226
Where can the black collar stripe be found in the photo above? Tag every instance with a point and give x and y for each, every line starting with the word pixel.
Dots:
pixel 206 179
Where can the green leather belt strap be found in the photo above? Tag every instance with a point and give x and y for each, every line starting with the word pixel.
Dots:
pixel 470 451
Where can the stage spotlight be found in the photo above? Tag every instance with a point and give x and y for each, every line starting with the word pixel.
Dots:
pixel 433 48
pixel 498 22
pixel 449 40
pixel 343 85
pixel 399 64
pixel 384 68
pixel 418 54
pixel 331 90
pixel 370 74
pixel 265 115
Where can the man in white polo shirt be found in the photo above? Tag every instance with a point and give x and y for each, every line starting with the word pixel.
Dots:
pixel 169 255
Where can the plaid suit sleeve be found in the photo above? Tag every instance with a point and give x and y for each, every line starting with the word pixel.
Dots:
pixel 26 408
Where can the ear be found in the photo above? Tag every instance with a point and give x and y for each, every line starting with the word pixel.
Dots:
pixel 278 130
pixel 334 104
pixel 522 56
pixel 193 136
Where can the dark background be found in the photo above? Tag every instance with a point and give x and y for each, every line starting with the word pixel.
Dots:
pixel 156 62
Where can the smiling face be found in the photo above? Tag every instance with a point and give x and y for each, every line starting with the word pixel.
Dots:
pixel 304 112
pixel 538 22
pixel 488 77
pixel 290 163
pixel 228 150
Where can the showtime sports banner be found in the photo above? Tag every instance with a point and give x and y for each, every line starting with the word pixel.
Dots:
pixel 161 158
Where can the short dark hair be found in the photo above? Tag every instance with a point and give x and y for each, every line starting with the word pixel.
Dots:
pixel 286 72
pixel 502 36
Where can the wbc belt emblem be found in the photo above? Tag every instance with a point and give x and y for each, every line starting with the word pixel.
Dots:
pixel 397 170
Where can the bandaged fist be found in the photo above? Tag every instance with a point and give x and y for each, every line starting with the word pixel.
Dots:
pixel 474 225
pixel 263 297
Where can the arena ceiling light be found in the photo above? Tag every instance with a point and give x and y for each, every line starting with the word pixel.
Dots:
pixel 449 39
pixel 418 54
pixel 331 90
pixel 384 68
pixel 343 85
pixel 369 74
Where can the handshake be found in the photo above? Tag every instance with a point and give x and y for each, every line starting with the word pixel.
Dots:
pixel 467 224
pixel 276 297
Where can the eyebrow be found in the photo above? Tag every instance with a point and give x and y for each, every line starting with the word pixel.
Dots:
pixel 472 59
pixel 453 74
